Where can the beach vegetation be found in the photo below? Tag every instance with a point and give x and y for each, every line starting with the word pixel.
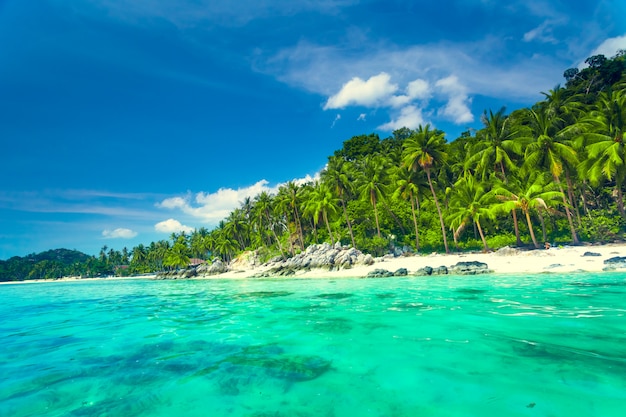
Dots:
pixel 552 172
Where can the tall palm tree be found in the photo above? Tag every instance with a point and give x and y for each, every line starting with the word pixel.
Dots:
pixel 264 207
pixel 497 145
pixel 470 202
pixel 530 193
pixel 607 150
pixel 409 186
pixel 372 177
pixel 338 175
pixel 425 149
pixel 552 150
pixel 321 203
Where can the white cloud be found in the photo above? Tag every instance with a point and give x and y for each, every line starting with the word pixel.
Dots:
pixel 362 117
pixel 337 118
pixel 211 208
pixel 119 233
pixel 172 226
pixel 542 33
pixel 410 116
pixel 457 107
pixel 371 93
pixel 418 89
pixel 610 46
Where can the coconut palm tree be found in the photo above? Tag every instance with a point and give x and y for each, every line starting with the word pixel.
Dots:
pixel 425 150
pixel 372 182
pixel 607 150
pixel 497 145
pixel 264 207
pixel 410 186
pixel 529 193
pixel 338 175
pixel 551 149
pixel 470 202
pixel 321 203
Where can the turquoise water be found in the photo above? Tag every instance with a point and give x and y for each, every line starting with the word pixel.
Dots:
pixel 545 345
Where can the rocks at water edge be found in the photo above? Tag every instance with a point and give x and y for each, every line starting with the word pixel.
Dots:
pixel 383 273
pixel 323 256
pixel 616 262
pixel 460 268
pixel 469 268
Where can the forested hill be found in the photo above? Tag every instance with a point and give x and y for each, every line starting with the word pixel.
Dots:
pixel 49 264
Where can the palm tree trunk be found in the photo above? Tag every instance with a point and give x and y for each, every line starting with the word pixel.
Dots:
pixel 482 236
pixel 345 213
pixel 373 199
pixel 620 200
pixel 417 236
pixel 516 227
pixel 543 225
pixel 567 212
pixel 330 233
pixel 443 227
pixel 299 227
pixel 530 229
pixel 570 195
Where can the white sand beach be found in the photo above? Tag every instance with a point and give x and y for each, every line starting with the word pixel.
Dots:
pixel 514 261
pixel 555 259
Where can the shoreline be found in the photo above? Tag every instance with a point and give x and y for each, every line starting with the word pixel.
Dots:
pixel 564 259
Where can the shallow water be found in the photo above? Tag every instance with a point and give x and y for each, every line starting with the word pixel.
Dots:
pixel 545 345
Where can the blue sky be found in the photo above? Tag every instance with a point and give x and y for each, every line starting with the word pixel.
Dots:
pixel 124 121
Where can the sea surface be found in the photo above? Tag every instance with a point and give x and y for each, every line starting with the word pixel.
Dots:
pixel 490 345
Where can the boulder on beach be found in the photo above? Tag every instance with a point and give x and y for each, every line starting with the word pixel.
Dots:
pixel 469 268
pixel 616 262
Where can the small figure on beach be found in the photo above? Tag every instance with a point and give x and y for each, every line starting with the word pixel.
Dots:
pixel 546 245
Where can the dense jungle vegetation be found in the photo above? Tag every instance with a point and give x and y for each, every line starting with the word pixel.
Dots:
pixel 553 172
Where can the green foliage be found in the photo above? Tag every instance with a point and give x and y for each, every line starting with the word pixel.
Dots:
pixel 376 246
pixel 603 226
pixel 558 166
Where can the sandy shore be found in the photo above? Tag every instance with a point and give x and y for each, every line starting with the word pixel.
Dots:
pixel 555 259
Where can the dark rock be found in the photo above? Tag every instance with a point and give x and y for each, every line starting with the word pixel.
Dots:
pixel 427 270
pixel 591 254
pixel 379 273
pixel 616 262
pixel 401 272
pixel 469 268
pixel 191 272
pixel 442 270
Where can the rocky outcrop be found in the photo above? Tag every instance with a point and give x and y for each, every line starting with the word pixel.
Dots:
pixel 591 254
pixel 215 268
pixel 383 273
pixel 616 262
pixel 507 251
pixel 469 268
pixel 322 256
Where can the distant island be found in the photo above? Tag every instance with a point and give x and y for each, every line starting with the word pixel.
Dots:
pixel 549 175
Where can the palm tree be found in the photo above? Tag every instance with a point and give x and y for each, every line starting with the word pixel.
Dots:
pixel 321 202
pixel 338 174
pixel 497 145
pixel 470 202
pixel 264 207
pixel 425 149
pixel 372 176
pixel 409 186
pixel 177 256
pixel 551 149
pixel 532 192
pixel 607 152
